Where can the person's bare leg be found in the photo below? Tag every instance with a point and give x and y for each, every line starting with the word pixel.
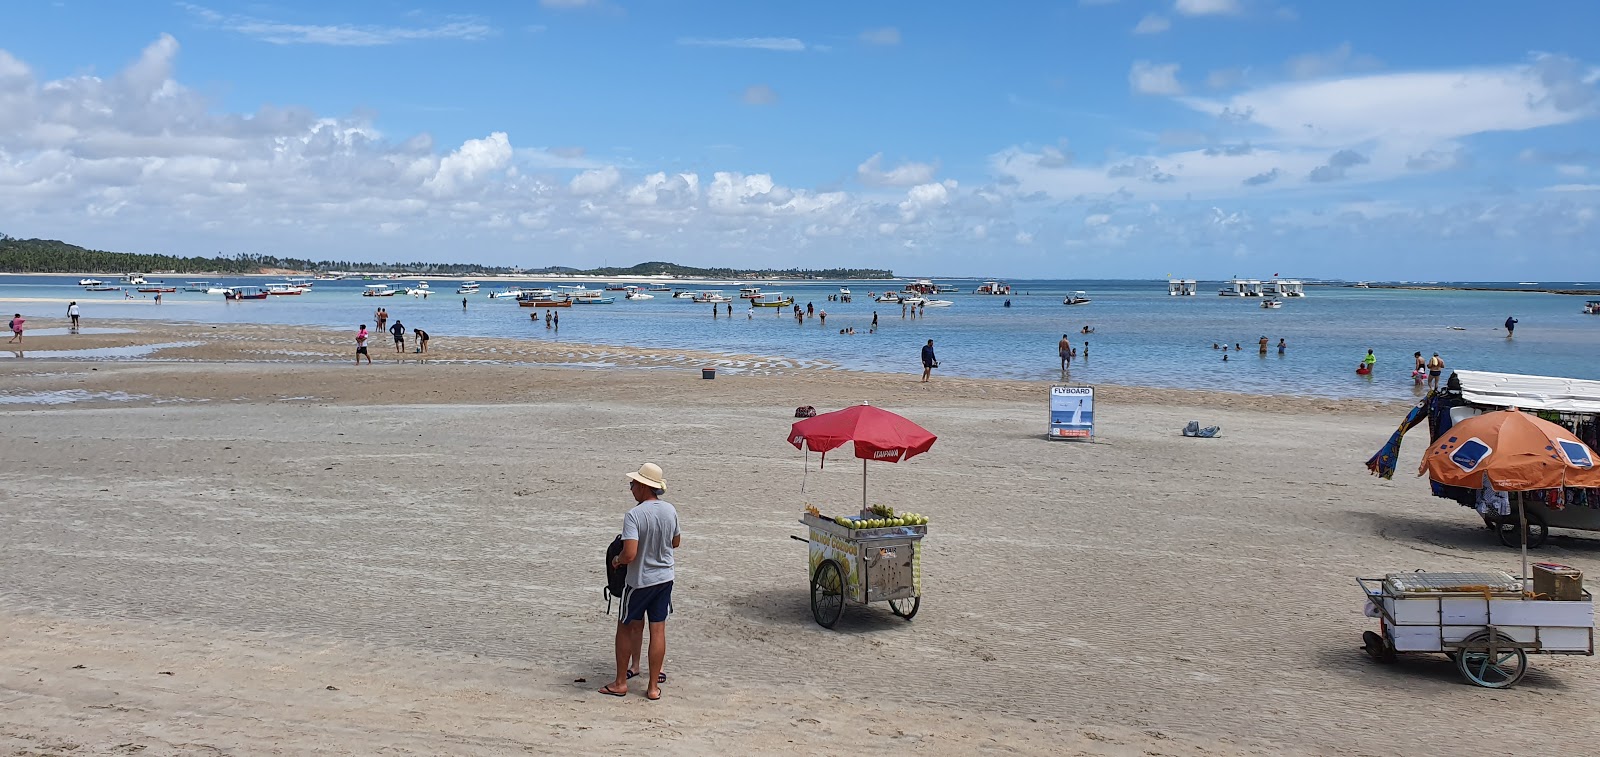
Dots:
pixel 658 659
pixel 624 648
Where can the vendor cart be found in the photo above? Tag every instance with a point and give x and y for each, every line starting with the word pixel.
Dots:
pixel 863 565
pixel 1482 621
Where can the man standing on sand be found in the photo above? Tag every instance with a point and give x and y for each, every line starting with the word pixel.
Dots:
pixel 361 345
pixel 1435 368
pixel 1511 326
pixel 399 331
pixel 1064 348
pixel 72 313
pixel 649 535
pixel 928 360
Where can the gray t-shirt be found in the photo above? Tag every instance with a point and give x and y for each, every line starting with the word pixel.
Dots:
pixel 653 524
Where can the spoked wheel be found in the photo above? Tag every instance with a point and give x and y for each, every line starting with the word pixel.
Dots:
pixel 827 594
pixel 1375 647
pixel 1537 531
pixel 905 608
pixel 1497 668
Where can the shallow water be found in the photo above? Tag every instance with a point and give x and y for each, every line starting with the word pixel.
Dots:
pixel 66 397
pixel 1142 336
pixel 95 353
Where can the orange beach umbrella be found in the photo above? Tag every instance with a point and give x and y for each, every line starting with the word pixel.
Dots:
pixel 1511 450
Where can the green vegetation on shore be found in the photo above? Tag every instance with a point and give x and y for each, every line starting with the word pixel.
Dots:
pixel 52 256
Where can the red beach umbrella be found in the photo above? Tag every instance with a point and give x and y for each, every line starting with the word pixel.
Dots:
pixel 877 435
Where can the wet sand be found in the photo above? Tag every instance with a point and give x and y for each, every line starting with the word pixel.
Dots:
pixel 245 526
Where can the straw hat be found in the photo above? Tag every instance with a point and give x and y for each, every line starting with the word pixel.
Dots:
pixel 649 474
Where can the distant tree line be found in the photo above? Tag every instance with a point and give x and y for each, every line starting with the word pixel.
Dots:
pixel 49 255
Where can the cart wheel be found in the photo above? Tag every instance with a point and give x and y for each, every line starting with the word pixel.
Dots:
pixel 1499 670
pixel 905 608
pixel 1537 531
pixel 827 594
pixel 1376 648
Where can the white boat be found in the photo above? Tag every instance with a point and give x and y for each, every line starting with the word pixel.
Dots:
pixel 889 297
pixel 844 290
pixel 1076 298
pixel 1361 285
pixel 218 289
pixel 1271 303
pixel 420 290
pixel 937 304
pixel 284 289
pixel 90 282
pixel 1241 288
pixel 660 288
pixel 468 287
pixel 303 283
pixel 133 278
pixel 712 296
pixel 198 286
pixel 509 294
pixel 1182 287
pixel 378 290
pixel 683 294
pixel 635 293
pixel 913 299
pixel 750 293
pixel 992 287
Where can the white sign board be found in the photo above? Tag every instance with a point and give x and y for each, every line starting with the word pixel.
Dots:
pixel 1071 412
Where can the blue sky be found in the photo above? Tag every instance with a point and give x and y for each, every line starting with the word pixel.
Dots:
pixel 1103 138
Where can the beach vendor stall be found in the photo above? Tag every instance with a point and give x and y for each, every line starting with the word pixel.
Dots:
pixel 876 554
pixel 1489 621
pixel 1573 404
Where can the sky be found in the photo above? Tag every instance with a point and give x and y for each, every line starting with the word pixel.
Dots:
pixel 1424 140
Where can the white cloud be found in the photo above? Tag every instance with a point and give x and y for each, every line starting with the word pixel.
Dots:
pixel 886 36
pixel 1206 7
pixel 595 181
pixel 1152 23
pixel 759 94
pixel 343 35
pixel 1338 60
pixel 1148 78
pixel 472 163
pixel 871 173
pixel 780 44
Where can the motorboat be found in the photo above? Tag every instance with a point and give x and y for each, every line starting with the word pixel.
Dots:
pixel 773 300
pixel 302 282
pixel 90 282
pixel 683 294
pixel 196 286
pixel 1241 288
pixel 593 299
pixel 217 289
pixel 937 303
pixel 420 290
pixel 1076 298
pixel 992 287
pixel 102 288
pixel 1284 288
pixel 844 290
pixel 1182 287
pixel 1271 303
pixel 284 289
pixel 659 288
pixel 889 297
pixel 245 293
pixel 468 287
pixel 133 278
pixel 1361 285
pixel 378 290
pixel 634 293
pixel 506 294
pixel 158 288
pixel 712 296
pixel 923 286
pixel 912 300
pixel 543 298
pixel 750 293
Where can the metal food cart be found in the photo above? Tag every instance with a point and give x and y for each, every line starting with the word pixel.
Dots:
pixel 1482 621
pixel 863 565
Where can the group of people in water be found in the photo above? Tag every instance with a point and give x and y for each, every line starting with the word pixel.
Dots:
pixel 1262 346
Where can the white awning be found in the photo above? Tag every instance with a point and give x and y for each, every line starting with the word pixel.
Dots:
pixel 1530 392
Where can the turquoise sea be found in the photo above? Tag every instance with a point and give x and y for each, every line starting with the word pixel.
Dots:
pixel 1143 336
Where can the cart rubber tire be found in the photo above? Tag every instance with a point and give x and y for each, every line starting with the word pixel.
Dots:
pixel 897 606
pixel 1499 672
pixel 1538 531
pixel 1376 647
pixel 827 594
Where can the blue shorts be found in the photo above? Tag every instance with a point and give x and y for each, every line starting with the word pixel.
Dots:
pixel 655 601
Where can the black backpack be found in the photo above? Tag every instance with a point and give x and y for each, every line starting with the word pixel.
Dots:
pixel 616 578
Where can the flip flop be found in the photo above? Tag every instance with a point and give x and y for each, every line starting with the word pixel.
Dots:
pixel 606 689
pixel 652 698
pixel 662 678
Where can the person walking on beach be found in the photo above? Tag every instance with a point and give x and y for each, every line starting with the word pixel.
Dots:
pixel 422 341
pixel 650 533
pixel 16 329
pixel 1511 326
pixel 929 362
pixel 361 345
pixel 1435 369
pixel 72 314
pixel 399 332
pixel 1064 348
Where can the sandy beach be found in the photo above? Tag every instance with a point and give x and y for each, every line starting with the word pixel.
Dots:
pixel 245 545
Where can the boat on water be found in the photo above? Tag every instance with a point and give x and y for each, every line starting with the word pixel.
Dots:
pixel 773 300
pixel 506 294
pixel 750 293
pixel 284 289
pixel 1182 287
pixel 912 300
pixel 468 287
pixel 102 288
pixel 1076 298
pixel 889 297
pixel 1361 285
pixel 133 278
pixel 244 293
pixel 992 287
pixel 635 293
pixel 844 290
pixel 158 289
pixel 924 286
pixel 712 296
pixel 1284 288
pixel 420 290
pixel 683 294
pixel 659 288
pixel 378 290
pixel 1592 308
pixel 1271 303
pixel 937 303
pixel 543 298
pixel 196 286
pixel 616 287
pixel 302 282
pixel 593 299
pixel 1241 288
pixel 90 282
